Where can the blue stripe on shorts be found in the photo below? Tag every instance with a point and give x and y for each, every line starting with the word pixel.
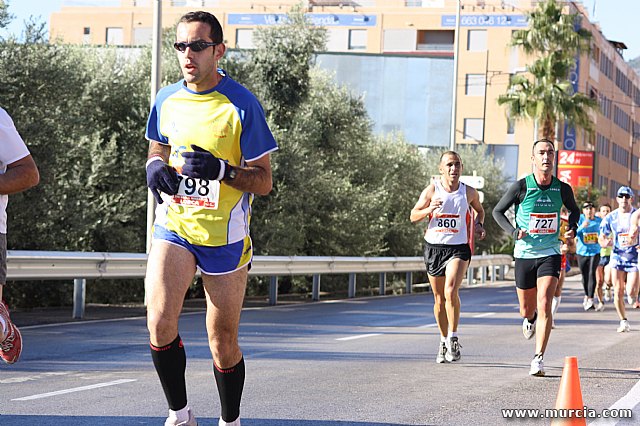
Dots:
pixel 211 260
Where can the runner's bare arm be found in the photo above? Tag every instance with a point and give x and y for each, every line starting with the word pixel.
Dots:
pixel 255 177
pixel 157 149
pixel 633 228
pixel 423 207
pixel 20 175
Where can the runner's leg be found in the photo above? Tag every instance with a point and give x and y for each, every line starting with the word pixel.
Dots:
pixel 546 286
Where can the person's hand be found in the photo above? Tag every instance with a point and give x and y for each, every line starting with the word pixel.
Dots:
pixel 161 177
pixel 519 234
pixel 479 231
pixel 564 248
pixel 570 234
pixel 202 164
pixel 435 204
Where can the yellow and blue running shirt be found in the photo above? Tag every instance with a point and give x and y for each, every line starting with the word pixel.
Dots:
pixel 229 122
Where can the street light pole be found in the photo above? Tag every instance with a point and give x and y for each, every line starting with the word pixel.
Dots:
pixel 454 98
pixel 156 55
pixel 484 106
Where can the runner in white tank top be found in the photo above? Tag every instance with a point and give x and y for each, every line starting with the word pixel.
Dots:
pixel 450 223
pixel 446 204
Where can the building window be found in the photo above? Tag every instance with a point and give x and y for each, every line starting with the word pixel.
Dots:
pixel 595 54
pixel 603 182
pixel 399 40
pixel 115 36
pixel 619 155
pixel 436 40
pixel 86 35
pixel 605 106
pixel 475 84
pixel 357 39
pixel 602 145
pixel 244 38
pixel 477 41
pixel 86 31
pixel 473 128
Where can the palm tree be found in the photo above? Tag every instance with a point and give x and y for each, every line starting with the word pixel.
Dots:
pixel 546 94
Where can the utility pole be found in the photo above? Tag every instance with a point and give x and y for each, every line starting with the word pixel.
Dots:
pixel 454 103
pixel 156 54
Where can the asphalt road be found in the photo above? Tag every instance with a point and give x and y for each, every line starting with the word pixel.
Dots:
pixel 359 362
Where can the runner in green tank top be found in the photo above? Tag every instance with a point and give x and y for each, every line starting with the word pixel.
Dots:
pixel 538 199
pixel 539 214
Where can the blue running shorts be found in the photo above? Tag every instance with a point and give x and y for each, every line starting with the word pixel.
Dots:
pixel 624 264
pixel 211 260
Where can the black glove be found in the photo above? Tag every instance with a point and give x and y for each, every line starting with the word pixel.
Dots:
pixel 202 164
pixel 161 177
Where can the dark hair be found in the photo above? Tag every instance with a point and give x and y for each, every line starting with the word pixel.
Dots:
pixel 207 18
pixel 450 153
pixel 606 205
pixel 545 140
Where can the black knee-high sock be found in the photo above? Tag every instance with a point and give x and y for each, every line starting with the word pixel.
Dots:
pixel 171 362
pixel 230 382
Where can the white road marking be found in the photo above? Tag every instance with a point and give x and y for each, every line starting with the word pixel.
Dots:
pixel 23 379
pixel 486 314
pixel 360 336
pixel 71 390
pixel 433 324
pixel 627 402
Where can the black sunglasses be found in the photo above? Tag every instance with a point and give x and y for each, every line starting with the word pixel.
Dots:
pixel 627 196
pixel 196 46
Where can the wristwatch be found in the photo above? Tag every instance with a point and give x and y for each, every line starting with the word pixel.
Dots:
pixel 230 173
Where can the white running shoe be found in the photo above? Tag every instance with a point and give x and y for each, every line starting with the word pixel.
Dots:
pixel 630 300
pixel 173 421
pixel 624 326
pixel 441 358
pixel 528 328
pixel 600 307
pixel 588 304
pixel 453 351
pixel 236 422
pixel 607 294
pixel 537 366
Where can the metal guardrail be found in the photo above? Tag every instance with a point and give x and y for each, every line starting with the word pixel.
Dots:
pixel 80 266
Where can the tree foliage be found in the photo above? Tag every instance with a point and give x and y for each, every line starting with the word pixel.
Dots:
pixel 5 16
pixel 338 189
pixel 546 94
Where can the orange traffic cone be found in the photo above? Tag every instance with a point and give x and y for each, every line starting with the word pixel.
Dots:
pixel 569 405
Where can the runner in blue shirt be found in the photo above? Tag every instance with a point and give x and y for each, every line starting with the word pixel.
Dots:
pixel 624 257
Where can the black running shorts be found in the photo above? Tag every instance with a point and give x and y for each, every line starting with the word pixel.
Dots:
pixel 436 256
pixel 528 271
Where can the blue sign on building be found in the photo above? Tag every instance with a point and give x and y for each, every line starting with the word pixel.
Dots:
pixel 570 131
pixel 320 19
pixel 485 21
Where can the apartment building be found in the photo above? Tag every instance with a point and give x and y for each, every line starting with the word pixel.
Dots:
pixel 426 28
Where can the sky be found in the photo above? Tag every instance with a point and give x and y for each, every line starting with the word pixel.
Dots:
pixel 618 19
